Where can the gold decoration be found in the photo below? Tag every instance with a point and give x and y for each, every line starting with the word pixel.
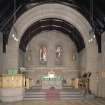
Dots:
pixel 11 81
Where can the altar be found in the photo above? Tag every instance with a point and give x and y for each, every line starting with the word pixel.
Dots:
pixel 51 80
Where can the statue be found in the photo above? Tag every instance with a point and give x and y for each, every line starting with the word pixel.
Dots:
pixel 86 80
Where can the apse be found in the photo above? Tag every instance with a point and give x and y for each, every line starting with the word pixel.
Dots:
pixel 61 56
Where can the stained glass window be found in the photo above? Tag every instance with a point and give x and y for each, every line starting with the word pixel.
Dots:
pixel 59 54
pixel 43 54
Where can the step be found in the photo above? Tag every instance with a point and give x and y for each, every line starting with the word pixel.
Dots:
pixel 35 93
pixel 65 94
pixel 34 98
pixel 70 93
pixel 59 94
pixel 72 98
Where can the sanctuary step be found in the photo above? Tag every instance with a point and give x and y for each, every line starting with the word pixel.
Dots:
pixel 63 94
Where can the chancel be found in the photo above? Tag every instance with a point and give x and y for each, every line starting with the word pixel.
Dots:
pixel 51 80
pixel 52 50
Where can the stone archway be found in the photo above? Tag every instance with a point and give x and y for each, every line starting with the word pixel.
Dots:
pixel 54 10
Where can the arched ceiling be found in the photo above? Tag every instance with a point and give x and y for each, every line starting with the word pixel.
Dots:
pixel 83 6
pixel 52 24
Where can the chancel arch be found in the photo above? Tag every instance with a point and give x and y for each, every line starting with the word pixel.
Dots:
pixel 50 10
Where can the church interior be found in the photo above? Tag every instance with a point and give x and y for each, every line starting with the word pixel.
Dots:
pixel 52 52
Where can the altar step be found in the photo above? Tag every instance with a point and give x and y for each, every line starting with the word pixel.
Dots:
pixel 37 94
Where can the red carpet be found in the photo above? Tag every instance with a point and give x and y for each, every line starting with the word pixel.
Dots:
pixel 52 94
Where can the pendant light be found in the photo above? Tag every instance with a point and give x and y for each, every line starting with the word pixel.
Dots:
pixel 92 31
pixel 14 20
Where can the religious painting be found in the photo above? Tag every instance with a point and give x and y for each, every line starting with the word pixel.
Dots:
pixel 43 54
pixel 59 55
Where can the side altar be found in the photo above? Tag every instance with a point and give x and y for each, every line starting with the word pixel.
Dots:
pixel 51 80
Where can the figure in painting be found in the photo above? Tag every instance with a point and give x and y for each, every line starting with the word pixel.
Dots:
pixel 59 53
pixel 43 54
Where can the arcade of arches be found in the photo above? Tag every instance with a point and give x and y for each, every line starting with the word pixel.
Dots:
pixel 50 49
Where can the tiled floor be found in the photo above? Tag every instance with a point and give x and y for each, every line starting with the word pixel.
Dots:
pixel 52 102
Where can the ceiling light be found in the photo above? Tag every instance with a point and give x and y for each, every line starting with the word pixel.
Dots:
pixel 16 39
pixel 94 36
pixel 13 35
pixel 91 39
